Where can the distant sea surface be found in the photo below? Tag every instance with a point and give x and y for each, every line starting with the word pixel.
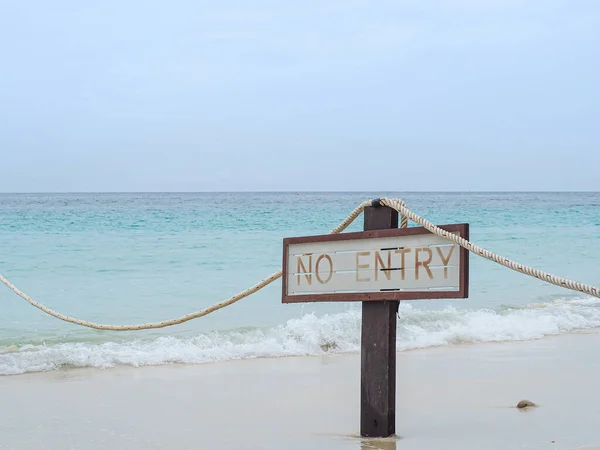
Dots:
pixel 129 258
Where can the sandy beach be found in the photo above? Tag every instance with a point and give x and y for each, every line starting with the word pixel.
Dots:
pixel 452 397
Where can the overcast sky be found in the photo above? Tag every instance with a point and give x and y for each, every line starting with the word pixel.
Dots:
pixel 307 95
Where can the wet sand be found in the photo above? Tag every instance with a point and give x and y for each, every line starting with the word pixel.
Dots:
pixel 460 397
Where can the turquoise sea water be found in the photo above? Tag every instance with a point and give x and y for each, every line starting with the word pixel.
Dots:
pixel 128 258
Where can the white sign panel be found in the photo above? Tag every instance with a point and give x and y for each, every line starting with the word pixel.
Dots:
pixel 387 264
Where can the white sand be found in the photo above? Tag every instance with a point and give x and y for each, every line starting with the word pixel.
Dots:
pixel 448 398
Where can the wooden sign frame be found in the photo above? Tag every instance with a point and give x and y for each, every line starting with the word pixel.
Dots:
pixel 462 292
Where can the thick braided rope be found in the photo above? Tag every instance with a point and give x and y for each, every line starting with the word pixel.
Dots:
pixel 167 323
pixel 399 206
pixel 396 204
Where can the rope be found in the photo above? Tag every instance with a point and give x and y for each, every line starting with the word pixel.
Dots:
pixel 396 204
pixel 178 320
pixel 399 206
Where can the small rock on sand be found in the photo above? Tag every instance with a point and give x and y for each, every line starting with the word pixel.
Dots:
pixel 525 404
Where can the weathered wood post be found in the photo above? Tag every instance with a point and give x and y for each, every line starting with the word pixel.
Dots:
pixel 378 348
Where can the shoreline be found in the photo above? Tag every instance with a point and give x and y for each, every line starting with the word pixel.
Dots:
pixel 461 345
pixel 460 396
pixel 308 335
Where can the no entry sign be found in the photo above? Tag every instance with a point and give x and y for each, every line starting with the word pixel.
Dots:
pixel 378 267
pixel 393 264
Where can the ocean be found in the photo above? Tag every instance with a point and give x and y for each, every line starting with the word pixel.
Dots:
pixel 129 258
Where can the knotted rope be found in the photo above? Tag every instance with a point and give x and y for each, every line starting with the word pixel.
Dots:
pixel 396 204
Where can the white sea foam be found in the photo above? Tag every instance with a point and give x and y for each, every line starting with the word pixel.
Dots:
pixel 313 335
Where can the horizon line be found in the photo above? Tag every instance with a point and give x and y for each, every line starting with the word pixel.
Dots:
pixel 303 192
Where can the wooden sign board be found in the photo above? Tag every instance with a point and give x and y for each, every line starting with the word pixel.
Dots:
pixel 391 264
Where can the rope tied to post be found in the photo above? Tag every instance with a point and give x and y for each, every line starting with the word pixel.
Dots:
pixel 396 204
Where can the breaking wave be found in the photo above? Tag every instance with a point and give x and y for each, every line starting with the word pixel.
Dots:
pixel 312 335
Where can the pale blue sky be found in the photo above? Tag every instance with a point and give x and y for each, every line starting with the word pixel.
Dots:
pixel 312 95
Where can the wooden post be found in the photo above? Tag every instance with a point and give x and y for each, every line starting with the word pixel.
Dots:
pixel 378 348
